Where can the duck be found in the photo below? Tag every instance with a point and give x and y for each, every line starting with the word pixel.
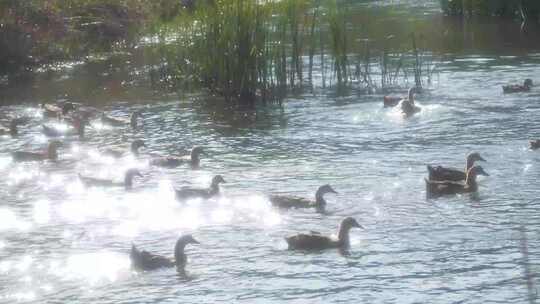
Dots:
pixel 133 120
pixel 56 111
pixel 193 159
pixel 120 122
pixel 392 101
pixel 439 188
pixel 286 202
pixel 534 144
pixel 440 173
pixel 79 127
pixel 98 182
pixel 143 260
pixel 13 131
pixel 316 241
pixel 117 153
pixel 50 154
pixel 186 193
pixel 407 106
pixel 515 88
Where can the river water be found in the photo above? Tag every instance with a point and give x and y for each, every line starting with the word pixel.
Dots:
pixel 63 243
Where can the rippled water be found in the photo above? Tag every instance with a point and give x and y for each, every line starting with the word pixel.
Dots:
pixel 61 242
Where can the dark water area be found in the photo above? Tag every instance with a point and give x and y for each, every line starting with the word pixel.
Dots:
pixel 62 242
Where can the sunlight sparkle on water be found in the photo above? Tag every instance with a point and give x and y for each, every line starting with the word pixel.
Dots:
pixel 98 267
pixel 42 212
pixel 8 221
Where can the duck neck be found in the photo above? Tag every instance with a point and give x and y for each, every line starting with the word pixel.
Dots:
pixel 320 202
pixel 179 255
pixel 343 236
pixel 471 181
pixel 411 97
pixel 128 181
pixel 214 188
pixel 470 163
pixel 195 160
pixel 133 121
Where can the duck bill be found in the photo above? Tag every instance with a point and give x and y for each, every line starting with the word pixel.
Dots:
pixel 194 241
pixel 359 226
pixel 480 158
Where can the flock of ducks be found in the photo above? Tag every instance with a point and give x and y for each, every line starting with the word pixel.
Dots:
pixel 440 181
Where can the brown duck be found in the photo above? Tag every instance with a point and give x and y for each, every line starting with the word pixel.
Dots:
pixel 121 122
pixel 392 101
pixel 515 88
pixel 50 154
pixel 98 182
pixel 407 106
pixel 440 173
pixel 316 241
pixel 118 153
pixel 57 111
pixel 439 188
pixel 193 160
pixel 144 260
pixel 288 201
pixel 186 193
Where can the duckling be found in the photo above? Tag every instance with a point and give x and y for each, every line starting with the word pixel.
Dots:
pixel 186 193
pixel 284 201
pixel 514 88
pixel 116 153
pixel 51 153
pixel 407 106
pixel 440 173
pixel 438 188
pixel 144 260
pixel 13 131
pixel 534 144
pixel 173 161
pixel 56 111
pixel 316 241
pixel 97 182
pixel 120 122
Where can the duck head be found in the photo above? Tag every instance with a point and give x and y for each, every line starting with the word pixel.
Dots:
pixel 319 196
pixel 472 158
pixel 195 155
pixel 181 243
pixel 411 93
pixel 344 228
pixel 136 145
pixel 218 179
pixel 528 83
pixel 130 174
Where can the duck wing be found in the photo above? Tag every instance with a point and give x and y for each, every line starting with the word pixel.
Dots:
pixel 144 260
pixel 97 182
pixel 21 156
pixel 286 202
pixel 391 101
pixel 440 173
pixel 514 88
pixel 437 188
pixel 188 193
pixel 313 241
pixel 167 162
pixel 116 122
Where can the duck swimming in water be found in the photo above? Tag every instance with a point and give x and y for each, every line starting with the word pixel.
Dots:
pixel 407 106
pixel 316 241
pixel 50 154
pixel 144 260
pixel 56 111
pixel 121 122
pixel 439 188
pixel 186 193
pixel 515 88
pixel 286 201
pixel 174 161
pixel 534 144
pixel 118 153
pixel 440 173
pixel 98 182
pixel 79 129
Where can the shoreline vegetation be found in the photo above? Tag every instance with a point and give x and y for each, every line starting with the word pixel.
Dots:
pixel 240 51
